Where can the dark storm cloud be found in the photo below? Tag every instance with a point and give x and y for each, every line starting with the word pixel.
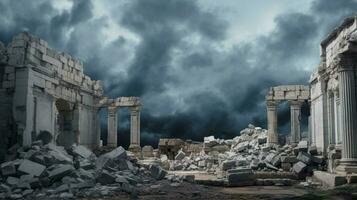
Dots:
pixel 189 86
pixel 161 26
pixel 41 18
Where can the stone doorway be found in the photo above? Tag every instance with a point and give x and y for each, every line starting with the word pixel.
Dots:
pixel 64 126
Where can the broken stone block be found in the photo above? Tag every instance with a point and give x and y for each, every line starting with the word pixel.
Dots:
pixel 262 140
pixel 300 168
pixel 58 155
pixel 147 151
pixel 121 179
pixel 117 155
pixel 81 151
pixel 8 168
pixel 180 155
pixel 34 182
pixel 317 159
pixel 12 181
pixel 4 188
pixel 288 159
pixel 276 160
pixel 240 177
pixel 270 157
pixel 228 164
pixel 304 157
pixel 286 166
pixel 105 178
pixel 31 168
pixel 302 146
pixel 60 171
pixel 313 150
pixel 157 172
pixel 27 192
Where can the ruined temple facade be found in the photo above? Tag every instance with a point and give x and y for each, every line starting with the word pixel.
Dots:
pixel 333 95
pixel 296 95
pixel 45 90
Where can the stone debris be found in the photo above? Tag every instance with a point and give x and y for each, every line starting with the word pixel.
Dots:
pixel 56 172
pixel 250 151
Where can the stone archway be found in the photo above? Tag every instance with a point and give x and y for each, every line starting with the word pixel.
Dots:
pixel 64 126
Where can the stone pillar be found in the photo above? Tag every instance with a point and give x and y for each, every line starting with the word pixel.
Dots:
pixel 295 110
pixel 112 126
pixel 331 117
pixel 272 122
pixel 135 126
pixel 348 99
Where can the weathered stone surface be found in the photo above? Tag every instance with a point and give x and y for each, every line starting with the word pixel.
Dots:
pixel 180 155
pixel 8 169
pixel 289 159
pixel 240 177
pixel 328 179
pixel 157 172
pixel 228 164
pixel 31 168
pixel 105 178
pixel 59 171
pixel 304 157
pixel 82 151
pixel 299 168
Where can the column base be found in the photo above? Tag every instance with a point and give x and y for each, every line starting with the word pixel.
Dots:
pixel 134 148
pixel 347 166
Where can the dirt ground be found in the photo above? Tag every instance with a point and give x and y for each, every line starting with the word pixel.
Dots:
pixel 164 189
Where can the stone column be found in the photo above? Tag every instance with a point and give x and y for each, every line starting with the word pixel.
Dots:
pixel 331 117
pixel 112 126
pixel 272 122
pixel 135 126
pixel 295 111
pixel 337 119
pixel 348 99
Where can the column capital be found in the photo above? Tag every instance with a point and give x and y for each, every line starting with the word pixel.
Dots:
pixel 345 61
pixel 112 109
pixel 135 109
pixel 272 103
pixel 296 103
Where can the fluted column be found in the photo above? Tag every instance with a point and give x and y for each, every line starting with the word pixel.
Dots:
pixel 135 126
pixel 112 126
pixel 295 111
pixel 331 117
pixel 348 100
pixel 272 122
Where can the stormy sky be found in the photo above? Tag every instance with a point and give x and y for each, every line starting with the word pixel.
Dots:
pixel 201 67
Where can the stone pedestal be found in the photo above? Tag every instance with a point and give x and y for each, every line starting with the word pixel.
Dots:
pixel 112 127
pixel 135 126
pixel 272 122
pixel 295 110
pixel 347 90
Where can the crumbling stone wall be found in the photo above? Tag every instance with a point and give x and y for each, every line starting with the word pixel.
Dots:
pixel 33 78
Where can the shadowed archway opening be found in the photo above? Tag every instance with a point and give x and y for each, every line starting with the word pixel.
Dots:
pixel 65 134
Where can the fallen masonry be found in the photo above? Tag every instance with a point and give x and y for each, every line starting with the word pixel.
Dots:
pixel 248 160
pixel 55 172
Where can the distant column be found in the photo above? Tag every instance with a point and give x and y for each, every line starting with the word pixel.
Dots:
pixel 347 91
pixel 272 122
pixel 135 126
pixel 295 110
pixel 112 126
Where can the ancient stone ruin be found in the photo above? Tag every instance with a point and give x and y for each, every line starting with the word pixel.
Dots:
pixel 50 143
pixel 46 91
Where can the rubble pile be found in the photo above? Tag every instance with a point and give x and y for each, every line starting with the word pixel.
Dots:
pixel 50 171
pixel 240 160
